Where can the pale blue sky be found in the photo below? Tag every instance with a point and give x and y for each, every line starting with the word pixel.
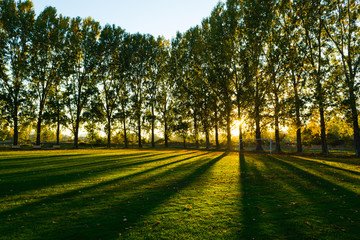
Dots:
pixel 157 17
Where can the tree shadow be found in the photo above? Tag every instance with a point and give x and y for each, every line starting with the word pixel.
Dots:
pixel 78 175
pixel 289 202
pixel 106 203
pixel 49 163
pixel 32 180
pixel 259 202
pixel 73 163
pixel 324 167
pixel 14 157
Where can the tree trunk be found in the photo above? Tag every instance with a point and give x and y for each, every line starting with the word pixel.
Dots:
pixel 58 131
pixel 298 140
pixel 139 133
pixel 109 133
pixel 125 135
pixel 78 112
pixel 207 136
pixel 38 129
pixel 323 130
pixel 228 130
pixel 259 147
pixel 355 119
pixel 76 134
pixel 277 128
pixel 166 134
pixel 320 97
pixel 184 142
pixel 57 118
pixel 298 119
pixel 77 126
pixel 16 128
pixel 240 138
pixel 216 130
pixel 240 127
pixel 196 132
pixel 152 127
pixel 277 136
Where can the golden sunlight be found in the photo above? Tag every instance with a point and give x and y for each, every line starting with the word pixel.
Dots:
pixel 235 128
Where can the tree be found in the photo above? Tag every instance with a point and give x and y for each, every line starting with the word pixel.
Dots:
pixel 257 23
pixel 16 22
pixel 275 69
pixel 275 62
pixel 193 76
pixel 83 59
pixel 209 104
pixel 294 70
pixel 55 110
pixel 93 116
pixel 235 23
pixel 139 72
pixel 176 68
pixel 342 27
pixel 123 82
pixel 46 59
pixel 311 15
pixel 163 87
pixel 221 76
pixel 109 50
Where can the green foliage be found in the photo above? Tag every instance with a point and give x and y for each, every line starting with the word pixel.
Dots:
pixel 81 82
pixel 16 23
pixel 4 132
pixel 271 64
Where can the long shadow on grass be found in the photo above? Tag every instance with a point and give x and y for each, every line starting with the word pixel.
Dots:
pixel 325 168
pixel 133 197
pixel 76 164
pixel 41 177
pixel 33 164
pixel 310 205
pixel 20 157
pixel 49 161
pixel 329 179
pixel 262 218
pixel 70 194
pixel 157 190
pixel 63 175
pixel 346 160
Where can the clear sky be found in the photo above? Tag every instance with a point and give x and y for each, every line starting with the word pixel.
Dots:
pixel 157 17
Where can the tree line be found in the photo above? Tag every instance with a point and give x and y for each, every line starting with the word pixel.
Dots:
pixel 272 63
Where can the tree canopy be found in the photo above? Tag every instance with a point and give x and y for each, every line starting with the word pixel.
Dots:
pixel 284 69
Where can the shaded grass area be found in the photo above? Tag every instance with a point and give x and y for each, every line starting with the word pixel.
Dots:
pixel 145 194
pixel 299 198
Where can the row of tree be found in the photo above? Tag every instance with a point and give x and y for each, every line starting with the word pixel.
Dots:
pixel 270 63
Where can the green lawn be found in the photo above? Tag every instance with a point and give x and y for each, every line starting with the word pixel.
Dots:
pixel 144 194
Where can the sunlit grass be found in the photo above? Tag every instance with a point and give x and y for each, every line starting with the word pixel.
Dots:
pixel 144 194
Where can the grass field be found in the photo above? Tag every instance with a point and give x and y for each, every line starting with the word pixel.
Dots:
pixel 144 194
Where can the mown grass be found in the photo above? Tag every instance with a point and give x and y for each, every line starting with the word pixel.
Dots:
pixel 176 194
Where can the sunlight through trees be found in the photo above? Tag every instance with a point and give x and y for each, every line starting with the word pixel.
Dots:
pixel 284 68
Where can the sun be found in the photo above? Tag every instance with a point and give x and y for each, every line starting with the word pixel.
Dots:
pixel 235 128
